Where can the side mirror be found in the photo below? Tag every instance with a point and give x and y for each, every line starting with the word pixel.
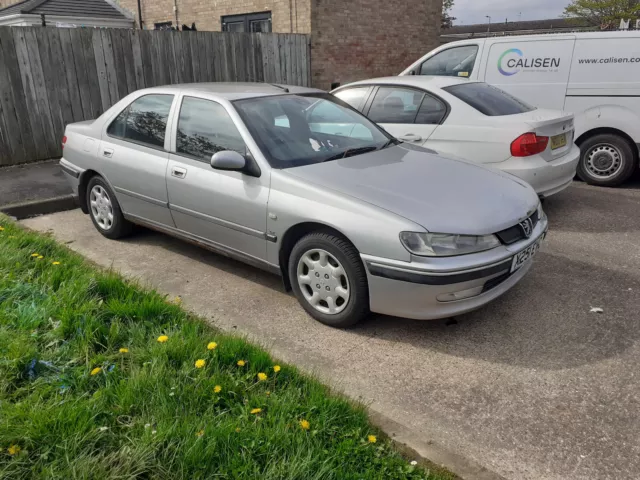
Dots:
pixel 228 160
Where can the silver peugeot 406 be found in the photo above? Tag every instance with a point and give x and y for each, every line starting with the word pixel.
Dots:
pixel 295 181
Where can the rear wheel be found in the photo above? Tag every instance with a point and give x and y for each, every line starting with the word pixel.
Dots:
pixel 329 280
pixel 104 210
pixel 606 160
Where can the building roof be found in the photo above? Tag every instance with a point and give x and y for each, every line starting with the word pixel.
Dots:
pixel 529 25
pixel 66 8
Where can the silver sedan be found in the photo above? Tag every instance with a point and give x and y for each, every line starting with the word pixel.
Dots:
pixel 295 181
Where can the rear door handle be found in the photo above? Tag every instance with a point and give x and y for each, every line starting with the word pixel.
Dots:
pixel 178 172
pixel 410 137
pixel 107 152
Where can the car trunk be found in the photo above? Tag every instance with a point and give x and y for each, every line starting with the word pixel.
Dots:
pixel 556 125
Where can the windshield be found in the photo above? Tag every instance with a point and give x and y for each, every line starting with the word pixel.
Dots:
pixel 488 99
pixel 297 130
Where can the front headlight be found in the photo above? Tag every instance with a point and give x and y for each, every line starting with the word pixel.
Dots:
pixel 446 244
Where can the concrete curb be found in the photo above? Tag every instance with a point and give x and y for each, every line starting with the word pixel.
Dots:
pixel 24 210
pixel 413 445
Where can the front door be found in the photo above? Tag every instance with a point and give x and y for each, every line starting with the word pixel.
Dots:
pixel 226 208
pixel 134 160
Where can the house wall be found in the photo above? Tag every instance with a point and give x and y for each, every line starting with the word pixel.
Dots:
pixel 359 39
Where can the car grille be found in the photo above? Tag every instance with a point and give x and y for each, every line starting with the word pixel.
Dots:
pixel 515 234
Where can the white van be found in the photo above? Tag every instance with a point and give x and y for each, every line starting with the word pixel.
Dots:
pixel 595 75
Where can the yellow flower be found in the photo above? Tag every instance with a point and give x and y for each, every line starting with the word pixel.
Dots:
pixel 162 338
pixel 256 411
pixel 177 300
pixel 35 254
pixel 241 363
pixel 39 257
pixel 96 371
pixel 1 228
pixel 55 263
pixel 267 393
pixel 217 389
pixel 200 434
pixel 124 350
pixel 238 430
pixel 262 376
pixel 276 368
pixel 305 425
pixel 372 439
pixel 212 346
pixel 200 363
pixel 13 450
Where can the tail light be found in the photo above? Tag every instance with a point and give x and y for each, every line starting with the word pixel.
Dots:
pixel 64 140
pixel 529 144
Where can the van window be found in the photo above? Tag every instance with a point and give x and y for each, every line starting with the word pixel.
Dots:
pixel 488 100
pixel 453 62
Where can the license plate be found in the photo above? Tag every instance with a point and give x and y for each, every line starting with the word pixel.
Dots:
pixel 525 255
pixel 558 141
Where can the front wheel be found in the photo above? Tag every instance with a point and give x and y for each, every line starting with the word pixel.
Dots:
pixel 329 280
pixel 606 160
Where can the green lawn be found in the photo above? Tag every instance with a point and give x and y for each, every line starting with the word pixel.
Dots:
pixel 89 389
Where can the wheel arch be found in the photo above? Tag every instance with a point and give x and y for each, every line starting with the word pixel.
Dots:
pixel 291 237
pixel 86 176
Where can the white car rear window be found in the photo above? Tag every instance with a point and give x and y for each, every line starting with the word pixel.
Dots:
pixel 489 100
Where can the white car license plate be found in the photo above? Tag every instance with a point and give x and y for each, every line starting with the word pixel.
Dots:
pixel 558 141
pixel 525 255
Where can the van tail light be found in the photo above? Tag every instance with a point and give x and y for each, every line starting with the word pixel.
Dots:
pixel 64 140
pixel 529 144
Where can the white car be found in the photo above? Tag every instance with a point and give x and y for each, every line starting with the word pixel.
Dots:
pixel 473 121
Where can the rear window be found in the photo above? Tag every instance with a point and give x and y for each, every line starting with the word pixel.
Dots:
pixel 488 100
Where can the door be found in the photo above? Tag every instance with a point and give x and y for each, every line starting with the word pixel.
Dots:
pixel 134 160
pixel 408 114
pixel 534 71
pixel 227 208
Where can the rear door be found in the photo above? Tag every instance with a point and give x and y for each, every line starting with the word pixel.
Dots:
pixel 537 71
pixel 409 114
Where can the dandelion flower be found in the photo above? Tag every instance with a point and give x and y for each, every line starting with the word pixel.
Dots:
pixel 276 368
pixel 238 430
pixel 96 371
pixel 255 411
pixel 262 377
pixel 124 350
pixel 163 338
pixel 200 363
pixel 55 263
pixel 241 363
pixel 13 450
pixel 372 439
pixel 1 228
pixel 39 257
pixel 305 425
pixel 177 300
pixel 212 346
pixel 268 393
pixel 200 434
pixel 217 389
pixel 35 254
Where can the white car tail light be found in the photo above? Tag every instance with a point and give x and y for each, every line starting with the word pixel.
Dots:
pixel 528 144
pixel 64 141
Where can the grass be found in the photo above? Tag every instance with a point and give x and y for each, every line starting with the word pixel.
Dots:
pixel 74 405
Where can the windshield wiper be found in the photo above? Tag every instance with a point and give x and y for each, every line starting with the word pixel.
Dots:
pixel 350 153
pixel 391 141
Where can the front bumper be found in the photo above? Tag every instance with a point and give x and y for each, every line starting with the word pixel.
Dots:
pixel 546 178
pixel 415 290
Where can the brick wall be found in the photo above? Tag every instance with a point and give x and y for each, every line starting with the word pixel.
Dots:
pixel 206 13
pixel 358 39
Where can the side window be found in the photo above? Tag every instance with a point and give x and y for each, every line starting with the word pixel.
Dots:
pixel 353 96
pixel 431 112
pixel 395 105
pixel 454 62
pixel 144 121
pixel 204 128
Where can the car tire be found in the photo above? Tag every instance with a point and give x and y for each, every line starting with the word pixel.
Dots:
pixel 105 211
pixel 606 160
pixel 316 286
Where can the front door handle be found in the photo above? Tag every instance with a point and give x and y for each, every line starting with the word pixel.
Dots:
pixel 178 172
pixel 107 152
pixel 410 137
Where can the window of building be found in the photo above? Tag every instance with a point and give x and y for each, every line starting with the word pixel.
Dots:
pixel 144 121
pixel 163 25
pixel 204 128
pixel 248 22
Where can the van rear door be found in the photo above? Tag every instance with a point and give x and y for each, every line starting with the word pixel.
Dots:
pixel 534 70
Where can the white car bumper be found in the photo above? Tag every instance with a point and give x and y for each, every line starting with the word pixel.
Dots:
pixel 546 178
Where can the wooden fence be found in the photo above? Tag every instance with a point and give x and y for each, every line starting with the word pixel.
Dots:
pixel 50 77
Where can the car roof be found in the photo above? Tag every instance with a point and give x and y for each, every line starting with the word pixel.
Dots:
pixel 420 81
pixel 233 90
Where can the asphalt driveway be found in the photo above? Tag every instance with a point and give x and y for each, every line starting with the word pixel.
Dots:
pixel 534 386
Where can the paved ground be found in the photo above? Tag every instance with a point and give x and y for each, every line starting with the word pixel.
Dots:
pixel 26 183
pixel 533 386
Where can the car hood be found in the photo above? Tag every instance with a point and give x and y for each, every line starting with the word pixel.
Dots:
pixel 441 194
